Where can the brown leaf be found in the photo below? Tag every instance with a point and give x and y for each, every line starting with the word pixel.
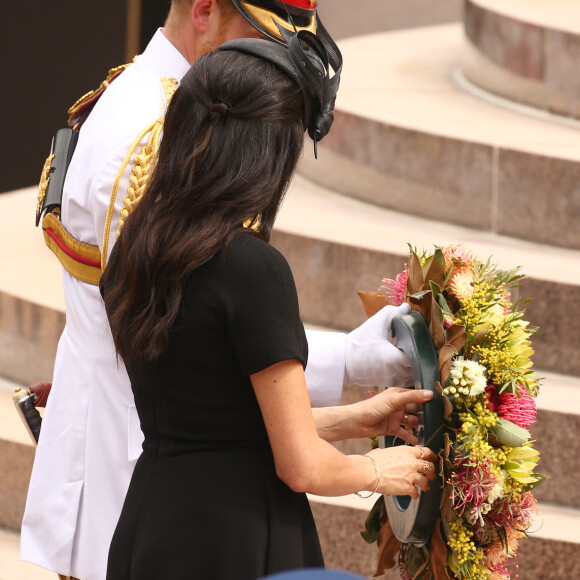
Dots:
pixel 447 406
pixel 422 306
pixel 446 510
pixel 388 546
pixel 372 302
pixel 438 554
pixel 420 570
pixel 457 336
pixel 446 353
pixel 415 281
pixel 447 444
pixel 436 327
pixel 435 269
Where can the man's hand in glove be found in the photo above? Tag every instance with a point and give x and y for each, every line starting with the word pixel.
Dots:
pixel 371 359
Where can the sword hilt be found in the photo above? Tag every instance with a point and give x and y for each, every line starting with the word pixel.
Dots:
pixel 24 402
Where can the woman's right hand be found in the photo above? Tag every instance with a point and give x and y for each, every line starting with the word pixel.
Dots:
pixel 403 470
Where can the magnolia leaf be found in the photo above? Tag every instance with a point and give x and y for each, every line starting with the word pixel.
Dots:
pixel 435 269
pixel 446 353
pixel 373 521
pixel 443 304
pixel 447 407
pixel 435 290
pixel 446 445
pixel 372 302
pixel 438 554
pixel 436 327
pixel 419 295
pixel 457 336
pixel 389 547
pixel 509 433
pixel 415 281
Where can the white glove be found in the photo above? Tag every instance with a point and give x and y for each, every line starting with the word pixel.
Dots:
pixel 371 360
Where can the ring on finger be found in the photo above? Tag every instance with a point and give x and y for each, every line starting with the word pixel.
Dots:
pixel 422 456
pixel 426 466
pixel 405 418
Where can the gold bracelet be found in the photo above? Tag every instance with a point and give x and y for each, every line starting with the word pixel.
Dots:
pixel 378 478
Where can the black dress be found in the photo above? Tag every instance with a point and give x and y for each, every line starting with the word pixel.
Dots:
pixel 204 501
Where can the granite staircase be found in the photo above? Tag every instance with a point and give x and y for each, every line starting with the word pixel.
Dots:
pixel 464 132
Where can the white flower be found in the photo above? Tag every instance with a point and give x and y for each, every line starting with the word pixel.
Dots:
pixel 470 375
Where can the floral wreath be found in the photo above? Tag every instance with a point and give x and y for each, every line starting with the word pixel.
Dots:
pixel 488 389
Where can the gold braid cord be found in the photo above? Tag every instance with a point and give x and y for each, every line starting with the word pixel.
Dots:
pixel 143 164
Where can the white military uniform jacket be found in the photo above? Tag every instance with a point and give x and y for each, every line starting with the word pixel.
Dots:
pixel 90 434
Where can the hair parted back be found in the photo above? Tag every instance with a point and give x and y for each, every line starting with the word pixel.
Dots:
pixel 232 137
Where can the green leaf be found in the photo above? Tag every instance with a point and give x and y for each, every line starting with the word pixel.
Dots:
pixel 509 433
pixel 443 303
pixel 373 521
pixel 419 295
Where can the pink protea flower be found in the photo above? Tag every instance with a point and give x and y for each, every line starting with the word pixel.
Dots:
pixel 519 409
pixel 395 290
pixel 458 256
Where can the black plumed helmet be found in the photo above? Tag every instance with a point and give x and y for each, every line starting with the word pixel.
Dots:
pixel 269 16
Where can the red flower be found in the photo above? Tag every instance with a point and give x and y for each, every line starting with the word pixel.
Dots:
pixel 491 396
pixel 519 409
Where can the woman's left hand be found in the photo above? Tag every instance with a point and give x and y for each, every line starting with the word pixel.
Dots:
pixel 391 412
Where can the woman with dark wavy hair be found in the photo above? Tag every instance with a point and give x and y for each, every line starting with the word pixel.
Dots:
pixel 204 313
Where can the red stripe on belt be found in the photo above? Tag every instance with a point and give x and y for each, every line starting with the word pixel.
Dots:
pixel 69 252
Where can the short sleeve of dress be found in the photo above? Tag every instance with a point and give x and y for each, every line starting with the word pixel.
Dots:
pixel 262 305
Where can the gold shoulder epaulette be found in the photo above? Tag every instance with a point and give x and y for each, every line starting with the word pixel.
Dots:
pixel 83 106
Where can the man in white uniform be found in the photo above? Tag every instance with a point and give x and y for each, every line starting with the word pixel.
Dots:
pixel 90 434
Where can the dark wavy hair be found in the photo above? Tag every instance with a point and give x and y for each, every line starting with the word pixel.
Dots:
pixel 232 138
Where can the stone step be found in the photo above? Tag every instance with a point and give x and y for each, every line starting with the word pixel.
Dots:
pixel 543 556
pixel 526 51
pixel 344 20
pixel 339 520
pixel 337 246
pixel 409 138
pixel 551 551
